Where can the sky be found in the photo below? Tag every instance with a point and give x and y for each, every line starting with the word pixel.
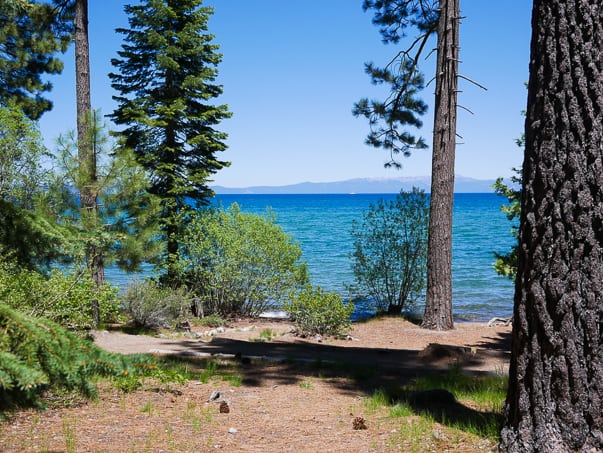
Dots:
pixel 292 71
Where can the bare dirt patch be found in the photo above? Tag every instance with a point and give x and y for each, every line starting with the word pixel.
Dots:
pixel 292 394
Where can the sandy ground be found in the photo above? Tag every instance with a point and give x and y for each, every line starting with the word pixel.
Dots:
pixel 294 394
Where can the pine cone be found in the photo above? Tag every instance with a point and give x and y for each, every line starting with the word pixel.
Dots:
pixel 359 423
pixel 224 407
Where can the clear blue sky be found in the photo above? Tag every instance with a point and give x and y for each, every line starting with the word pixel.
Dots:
pixel 292 70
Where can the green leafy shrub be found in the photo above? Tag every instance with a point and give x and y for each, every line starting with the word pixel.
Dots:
pixel 36 354
pixel 390 251
pixel 63 296
pixel 239 263
pixel 315 311
pixel 211 321
pixel 506 264
pixel 153 307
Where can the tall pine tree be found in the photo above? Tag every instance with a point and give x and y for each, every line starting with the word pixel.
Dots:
pixel 555 396
pixel 390 120
pixel 167 71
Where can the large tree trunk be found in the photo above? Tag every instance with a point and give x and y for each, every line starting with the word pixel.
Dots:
pixel 438 303
pixel 86 156
pixel 555 396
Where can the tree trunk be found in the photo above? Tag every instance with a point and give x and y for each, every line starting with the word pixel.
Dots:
pixel 555 397
pixel 438 303
pixel 86 156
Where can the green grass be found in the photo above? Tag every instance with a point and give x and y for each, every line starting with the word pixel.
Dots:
pixel 265 335
pixel 477 410
pixel 306 385
pixel 487 392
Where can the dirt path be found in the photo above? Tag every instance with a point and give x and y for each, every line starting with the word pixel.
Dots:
pixel 386 343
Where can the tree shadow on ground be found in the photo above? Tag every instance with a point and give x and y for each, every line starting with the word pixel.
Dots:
pixel 361 370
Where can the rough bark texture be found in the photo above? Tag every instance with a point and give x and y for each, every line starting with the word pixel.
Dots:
pixel 555 397
pixel 86 156
pixel 438 304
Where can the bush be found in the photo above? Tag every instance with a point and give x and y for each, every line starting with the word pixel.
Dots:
pixel 390 251
pixel 153 307
pixel 239 263
pixel 315 311
pixel 63 297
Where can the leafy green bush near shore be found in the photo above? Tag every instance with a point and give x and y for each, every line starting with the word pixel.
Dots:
pixel 151 306
pixel 315 311
pixel 239 263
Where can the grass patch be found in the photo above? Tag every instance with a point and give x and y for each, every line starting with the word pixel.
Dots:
pixel 377 401
pixel 487 392
pixel 475 410
pixel 306 385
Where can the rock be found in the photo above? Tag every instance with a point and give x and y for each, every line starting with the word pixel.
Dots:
pixel 436 352
pixel 214 396
pixel 183 326
pixel 232 430
pixel 500 322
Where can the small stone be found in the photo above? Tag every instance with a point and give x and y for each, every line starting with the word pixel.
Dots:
pixel 232 430
pixel 214 395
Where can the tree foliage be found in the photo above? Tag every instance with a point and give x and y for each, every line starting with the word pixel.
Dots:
pixel 167 71
pixel 26 234
pixel 239 263
pixel 506 264
pixel 124 226
pixel 36 354
pixel 391 118
pixel 22 177
pixel 31 34
pixel 390 251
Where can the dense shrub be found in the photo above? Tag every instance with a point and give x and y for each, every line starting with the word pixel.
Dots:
pixel 150 306
pixel 36 354
pixel 390 251
pixel 239 263
pixel 315 311
pixel 63 296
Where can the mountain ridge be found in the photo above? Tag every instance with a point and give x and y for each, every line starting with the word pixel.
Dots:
pixel 462 184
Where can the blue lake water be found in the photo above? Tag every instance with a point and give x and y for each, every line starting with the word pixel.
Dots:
pixel 322 225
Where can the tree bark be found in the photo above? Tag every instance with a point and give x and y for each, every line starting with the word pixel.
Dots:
pixel 438 303
pixel 86 156
pixel 555 397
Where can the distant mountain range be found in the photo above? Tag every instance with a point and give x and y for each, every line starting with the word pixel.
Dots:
pixel 462 184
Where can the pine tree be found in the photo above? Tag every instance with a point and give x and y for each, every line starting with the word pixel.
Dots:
pixel 30 36
pixel 124 227
pixel 36 354
pixel 555 396
pixel 402 109
pixel 167 69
